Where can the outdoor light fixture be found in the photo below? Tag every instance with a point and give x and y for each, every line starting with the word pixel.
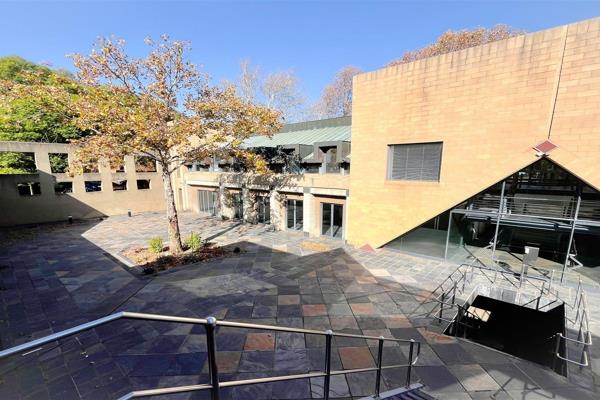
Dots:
pixel 129 213
pixel 70 219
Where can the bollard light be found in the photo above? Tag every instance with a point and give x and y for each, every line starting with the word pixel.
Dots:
pixel 70 219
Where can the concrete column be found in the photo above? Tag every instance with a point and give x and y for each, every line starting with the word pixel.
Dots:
pixel 308 211
pixel 221 201
pixel 42 163
pixel 276 210
pixel 248 205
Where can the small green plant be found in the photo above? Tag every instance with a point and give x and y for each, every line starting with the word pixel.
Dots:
pixel 156 245
pixel 194 242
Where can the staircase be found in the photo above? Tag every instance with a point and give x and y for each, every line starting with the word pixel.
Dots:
pixel 447 310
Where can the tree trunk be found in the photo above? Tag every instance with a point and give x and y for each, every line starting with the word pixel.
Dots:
pixel 174 234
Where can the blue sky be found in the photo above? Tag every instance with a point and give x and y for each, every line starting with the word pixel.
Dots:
pixel 315 39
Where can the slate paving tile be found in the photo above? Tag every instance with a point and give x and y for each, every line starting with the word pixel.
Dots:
pixel 288 299
pixel 356 357
pixel 452 353
pixel 227 361
pixel 151 365
pixel 509 377
pixel 339 309
pixel 298 389
pixel 239 312
pixel 265 300
pixel 312 299
pixel 282 290
pixel 187 364
pixel 259 342
pixel 438 379
pixel 291 361
pixel 264 311
pixel 370 322
pixel 363 384
pixel 338 387
pixel 286 311
pixel 343 322
pixel 253 361
pixel 230 341
pixel 288 340
pixel 193 343
pixel 316 358
pixel 314 310
pixel 473 378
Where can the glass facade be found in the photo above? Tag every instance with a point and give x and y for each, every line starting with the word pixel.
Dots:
pixel 207 201
pixel 332 217
pixel 264 209
pixel 295 218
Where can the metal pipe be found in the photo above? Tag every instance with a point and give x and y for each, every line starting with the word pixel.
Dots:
pixel 410 362
pixel 59 335
pixel 448 236
pixel 498 220
pixel 327 378
pixel 379 365
pixel 573 225
pixel 213 369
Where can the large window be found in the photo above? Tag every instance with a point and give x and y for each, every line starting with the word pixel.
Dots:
pixel 29 188
pixel 207 201
pixel 295 218
pixel 238 205
pixel 332 217
pixel 264 209
pixel 415 162
pixel 143 184
pixel 93 186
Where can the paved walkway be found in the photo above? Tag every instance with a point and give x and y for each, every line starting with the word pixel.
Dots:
pixel 56 276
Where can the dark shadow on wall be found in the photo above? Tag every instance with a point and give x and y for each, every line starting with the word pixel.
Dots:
pixel 38 198
pixel 58 278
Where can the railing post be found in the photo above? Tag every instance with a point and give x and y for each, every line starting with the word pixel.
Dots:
pixel 410 362
pixel 454 294
pixel 379 365
pixel 327 378
pixel 442 307
pixel 537 304
pixel 212 357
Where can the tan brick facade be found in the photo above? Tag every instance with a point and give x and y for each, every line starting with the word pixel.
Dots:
pixel 489 105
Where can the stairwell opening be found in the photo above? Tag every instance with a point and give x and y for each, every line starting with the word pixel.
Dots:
pixel 514 329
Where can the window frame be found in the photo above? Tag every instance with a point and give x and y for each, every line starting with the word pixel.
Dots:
pixel 390 162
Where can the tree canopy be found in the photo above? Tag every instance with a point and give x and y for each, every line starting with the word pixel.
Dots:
pixel 336 99
pixel 457 40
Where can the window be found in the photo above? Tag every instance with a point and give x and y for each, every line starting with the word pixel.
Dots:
pixel 63 187
pixel 12 162
pixel 207 201
pixel 332 217
pixel 93 186
pixel 119 185
pixel 238 205
pixel 143 184
pixel 415 162
pixel 59 162
pixel 117 165
pixel 295 217
pixel 29 188
pixel 145 164
pixel 264 209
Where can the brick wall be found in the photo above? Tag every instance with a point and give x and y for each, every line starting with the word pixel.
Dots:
pixel 489 105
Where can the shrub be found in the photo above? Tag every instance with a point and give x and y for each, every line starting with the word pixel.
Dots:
pixel 194 242
pixel 156 245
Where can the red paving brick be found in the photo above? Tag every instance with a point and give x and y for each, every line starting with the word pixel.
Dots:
pixel 260 342
pixel 356 357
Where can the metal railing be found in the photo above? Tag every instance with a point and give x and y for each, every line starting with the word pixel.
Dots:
pixel 581 324
pixel 210 324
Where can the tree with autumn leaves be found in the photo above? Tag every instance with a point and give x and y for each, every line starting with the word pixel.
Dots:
pixel 160 106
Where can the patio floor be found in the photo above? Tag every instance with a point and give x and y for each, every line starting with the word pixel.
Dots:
pixel 55 276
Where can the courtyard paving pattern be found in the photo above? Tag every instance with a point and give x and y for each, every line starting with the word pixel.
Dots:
pixel 55 276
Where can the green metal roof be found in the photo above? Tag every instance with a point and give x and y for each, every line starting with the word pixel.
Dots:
pixel 325 130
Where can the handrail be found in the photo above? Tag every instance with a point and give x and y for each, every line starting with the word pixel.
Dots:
pixel 210 325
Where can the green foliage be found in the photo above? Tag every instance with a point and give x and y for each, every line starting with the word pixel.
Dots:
pixel 156 244
pixel 194 242
pixel 33 118
pixel 19 70
pixel 58 162
pixel 17 163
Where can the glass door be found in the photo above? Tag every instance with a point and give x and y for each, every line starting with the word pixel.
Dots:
pixel 295 216
pixel 264 209
pixel 332 219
